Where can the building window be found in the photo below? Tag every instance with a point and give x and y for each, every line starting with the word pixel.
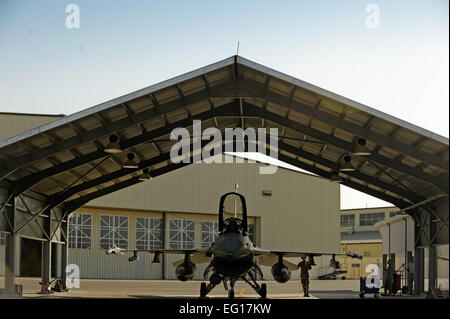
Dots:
pixel 210 230
pixel 370 219
pixel 2 239
pixel 251 232
pixel 113 231
pixel 348 220
pixel 181 234
pixel 367 254
pixel 80 231
pixel 149 233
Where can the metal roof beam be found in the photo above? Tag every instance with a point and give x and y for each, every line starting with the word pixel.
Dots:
pixel 78 202
pixel 58 198
pixel 158 107
pixel 27 182
pixel 370 122
pixel 250 109
pixel 180 93
pixel 397 202
pixel 345 125
pixel 205 80
pixel 356 174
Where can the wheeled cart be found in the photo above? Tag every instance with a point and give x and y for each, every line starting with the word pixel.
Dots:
pixel 363 289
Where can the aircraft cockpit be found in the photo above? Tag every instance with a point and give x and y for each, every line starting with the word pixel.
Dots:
pixel 233 225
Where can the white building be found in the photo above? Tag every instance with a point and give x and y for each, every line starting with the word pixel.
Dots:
pixel 397 233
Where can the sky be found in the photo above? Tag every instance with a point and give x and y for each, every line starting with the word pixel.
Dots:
pixel 400 67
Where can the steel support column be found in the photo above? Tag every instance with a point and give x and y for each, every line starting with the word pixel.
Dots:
pixel 58 260
pixel 46 261
pixel 406 249
pixel 10 249
pixel 164 245
pixel 419 271
pixel 10 264
pixel 432 268
pixel 432 254
pixel 46 269
pixel 422 270
pixel 166 240
pixel 416 271
pixel 65 250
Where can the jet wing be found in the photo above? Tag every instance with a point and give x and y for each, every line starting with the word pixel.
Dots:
pixel 272 259
pixel 261 252
pixel 197 256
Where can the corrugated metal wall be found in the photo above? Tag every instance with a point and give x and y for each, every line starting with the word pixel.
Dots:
pixel 302 212
pixel 94 263
pixel 195 189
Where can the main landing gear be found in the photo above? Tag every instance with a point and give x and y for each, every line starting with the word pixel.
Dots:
pixel 261 290
pixel 215 279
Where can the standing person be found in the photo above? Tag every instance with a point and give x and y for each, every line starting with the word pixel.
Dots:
pixel 388 281
pixel 304 267
pixel 410 271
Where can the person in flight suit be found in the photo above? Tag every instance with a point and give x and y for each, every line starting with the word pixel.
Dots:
pixel 304 267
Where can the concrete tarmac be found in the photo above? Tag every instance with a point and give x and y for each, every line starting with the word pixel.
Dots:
pixel 319 289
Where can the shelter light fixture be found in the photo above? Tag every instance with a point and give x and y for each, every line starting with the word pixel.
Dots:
pixel 361 148
pixel 130 163
pixel 336 178
pixel 113 147
pixel 145 175
pixel 347 166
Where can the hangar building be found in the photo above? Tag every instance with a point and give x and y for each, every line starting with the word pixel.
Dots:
pixel 397 232
pixel 165 205
pixel 359 234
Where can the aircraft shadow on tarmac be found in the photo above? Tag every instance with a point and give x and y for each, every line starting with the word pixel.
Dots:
pixel 186 297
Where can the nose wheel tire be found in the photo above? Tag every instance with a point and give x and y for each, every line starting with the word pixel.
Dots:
pixel 263 292
pixel 231 294
pixel 203 290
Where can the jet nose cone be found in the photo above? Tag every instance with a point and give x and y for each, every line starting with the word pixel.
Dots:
pixel 230 246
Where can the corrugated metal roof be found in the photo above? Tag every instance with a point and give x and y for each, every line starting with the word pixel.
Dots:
pixel 65 161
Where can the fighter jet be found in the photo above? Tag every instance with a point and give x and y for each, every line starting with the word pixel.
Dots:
pixel 232 256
